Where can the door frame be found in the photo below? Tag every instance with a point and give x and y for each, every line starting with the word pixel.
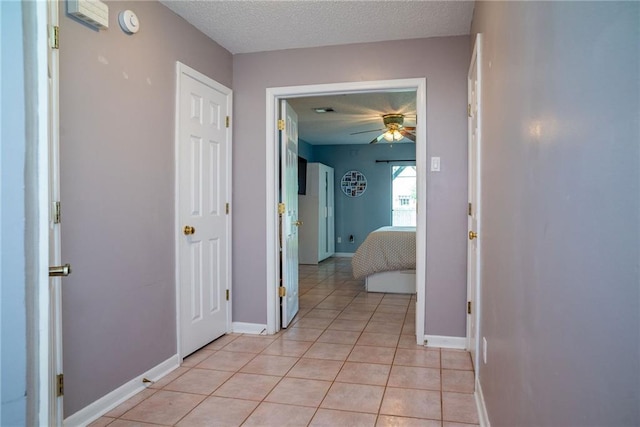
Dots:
pixel 185 69
pixel 474 288
pixel 273 96
pixel 55 254
pixel 37 21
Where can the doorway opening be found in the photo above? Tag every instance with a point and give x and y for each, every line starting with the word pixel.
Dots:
pixel 274 96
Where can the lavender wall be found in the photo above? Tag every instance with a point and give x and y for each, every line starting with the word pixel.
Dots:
pixel 444 62
pixel 561 204
pixel 117 163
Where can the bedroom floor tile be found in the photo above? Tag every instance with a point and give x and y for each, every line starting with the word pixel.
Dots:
pixel 348 358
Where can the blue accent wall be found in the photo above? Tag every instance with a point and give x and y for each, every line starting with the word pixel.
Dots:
pixel 305 150
pixel 358 216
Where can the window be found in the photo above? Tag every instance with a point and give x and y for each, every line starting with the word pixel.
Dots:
pixel 403 185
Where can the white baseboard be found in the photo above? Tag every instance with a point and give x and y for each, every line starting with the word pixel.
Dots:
pixel 343 255
pixel 106 403
pixel 482 409
pixel 249 328
pixel 446 342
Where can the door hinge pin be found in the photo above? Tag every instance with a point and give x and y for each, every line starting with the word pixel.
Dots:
pixel 469 110
pixel 55 37
pixel 227 208
pixel 280 124
pixel 227 294
pixel 227 121
pixel 281 208
pixel 59 385
pixel 468 307
pixel 282 292
pixel 470 207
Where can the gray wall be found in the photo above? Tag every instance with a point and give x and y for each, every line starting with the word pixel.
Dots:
pixel 444 62
pixel 561 190
pixel 117 161
pixel 13 328
pixel 358 216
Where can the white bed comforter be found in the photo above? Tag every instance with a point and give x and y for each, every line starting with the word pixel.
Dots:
pixel 385 249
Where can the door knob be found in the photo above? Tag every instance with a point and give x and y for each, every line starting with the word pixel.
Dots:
pixel 188 230
pixel 297 223
pixel 472 235
pixel 60 270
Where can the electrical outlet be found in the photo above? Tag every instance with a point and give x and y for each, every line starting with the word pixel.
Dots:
pixel 484 350
pixel 339 239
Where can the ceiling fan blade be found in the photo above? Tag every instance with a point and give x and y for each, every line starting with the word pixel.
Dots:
pixel 409 127
pixel 366 131
pixel 377 139
pixel 408 135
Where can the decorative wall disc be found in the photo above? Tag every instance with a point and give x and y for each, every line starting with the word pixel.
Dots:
pixel 353 183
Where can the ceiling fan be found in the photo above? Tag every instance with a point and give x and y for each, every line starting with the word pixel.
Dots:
pixel 394 129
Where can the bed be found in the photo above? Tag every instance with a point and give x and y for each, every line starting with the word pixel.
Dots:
pixel 387 260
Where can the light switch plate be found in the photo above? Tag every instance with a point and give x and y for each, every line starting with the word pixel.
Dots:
pixel 435 164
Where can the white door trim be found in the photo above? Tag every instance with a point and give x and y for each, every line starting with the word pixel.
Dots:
pixel 38 95
pixel 55 255
pixel 38 115
pixel 273 95
pixel 476 61
pixel 184 69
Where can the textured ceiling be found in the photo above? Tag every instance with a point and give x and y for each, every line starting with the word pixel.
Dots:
pixel 352 113
pixel 257 26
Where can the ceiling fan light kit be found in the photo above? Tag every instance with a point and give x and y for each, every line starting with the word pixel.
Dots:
pixel 392 135
pixel 395 129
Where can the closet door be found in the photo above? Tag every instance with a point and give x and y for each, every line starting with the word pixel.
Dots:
pixel 323 212
pixel 331 232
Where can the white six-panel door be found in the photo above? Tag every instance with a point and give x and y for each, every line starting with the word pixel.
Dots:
pixel 289 224
pixel 203 226
pixel 473 249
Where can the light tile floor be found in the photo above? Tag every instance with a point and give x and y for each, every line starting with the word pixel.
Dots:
pixel 348 359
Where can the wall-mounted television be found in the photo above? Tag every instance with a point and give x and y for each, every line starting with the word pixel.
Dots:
pixel 302 175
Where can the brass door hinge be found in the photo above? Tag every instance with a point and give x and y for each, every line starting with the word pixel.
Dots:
pixel 227 208
pixel 55 37
pixel 59 385
pixel 227 294
pixel 470 207
pixel 281 209
pixel 282 292
pixel 280 124
pixel 227 121
pixel 56 212
pixel 468 307
pixel 469 110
